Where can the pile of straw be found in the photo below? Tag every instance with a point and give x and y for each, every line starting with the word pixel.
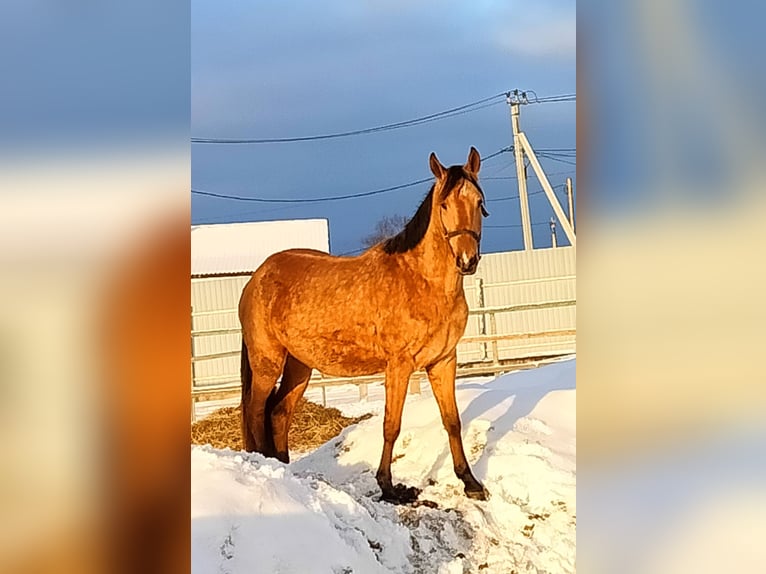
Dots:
pixel 312 426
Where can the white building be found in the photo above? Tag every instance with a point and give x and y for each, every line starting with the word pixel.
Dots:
pixel 224 256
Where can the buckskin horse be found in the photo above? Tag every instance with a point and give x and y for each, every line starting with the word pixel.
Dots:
pixel 396 308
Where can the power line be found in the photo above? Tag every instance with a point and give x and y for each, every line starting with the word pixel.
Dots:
pixel 472 107
pixel 309 200
pixel 506 177
pixel 554 187
pixel 289 207
pixel 333 198
pixel 551 99
pixel 567 98
pixel 514 225
pixel 549 155
pixel 500 169
pixel 452 112
pixel 224 218
pixel 509 197
pixel 557 158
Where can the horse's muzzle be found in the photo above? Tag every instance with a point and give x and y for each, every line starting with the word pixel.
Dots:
pixel 467 266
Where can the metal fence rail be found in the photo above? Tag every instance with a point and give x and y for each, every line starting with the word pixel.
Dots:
pixel 491 362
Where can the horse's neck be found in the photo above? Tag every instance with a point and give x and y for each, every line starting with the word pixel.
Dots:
pixel 434 260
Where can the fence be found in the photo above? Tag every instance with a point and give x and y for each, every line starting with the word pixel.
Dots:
pixel 521 311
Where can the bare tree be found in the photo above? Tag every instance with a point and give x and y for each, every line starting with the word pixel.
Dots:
pixel 387 227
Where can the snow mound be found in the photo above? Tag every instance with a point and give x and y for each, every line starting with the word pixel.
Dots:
pixel 251 514
pixel 322 513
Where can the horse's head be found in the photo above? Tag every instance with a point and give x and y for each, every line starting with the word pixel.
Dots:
pixel 458 202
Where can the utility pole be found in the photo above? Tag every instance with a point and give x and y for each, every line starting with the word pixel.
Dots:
pixel 571 202
pixel 521 147
pixel 521 172
pixel 552 199
pixel 553 233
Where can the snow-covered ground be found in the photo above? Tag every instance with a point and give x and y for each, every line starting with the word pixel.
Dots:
pixel 321 513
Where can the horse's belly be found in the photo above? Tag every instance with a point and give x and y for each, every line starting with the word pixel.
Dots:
pixel 337 357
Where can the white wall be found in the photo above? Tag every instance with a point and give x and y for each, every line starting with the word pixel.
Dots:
pixel 214 306
pixel 519 278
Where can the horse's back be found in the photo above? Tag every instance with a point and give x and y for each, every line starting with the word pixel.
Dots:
pixel 295 278
pixel 278 271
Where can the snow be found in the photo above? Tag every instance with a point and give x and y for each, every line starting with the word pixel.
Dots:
pixel 694 504
pixel 322 513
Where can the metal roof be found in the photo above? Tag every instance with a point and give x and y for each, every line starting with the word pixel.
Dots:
pixel 236 248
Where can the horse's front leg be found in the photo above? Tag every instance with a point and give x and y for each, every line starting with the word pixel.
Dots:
pixel 442 378
pixel 397 380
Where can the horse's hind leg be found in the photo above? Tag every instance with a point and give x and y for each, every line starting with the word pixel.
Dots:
pixel 267 359
pixel 295 379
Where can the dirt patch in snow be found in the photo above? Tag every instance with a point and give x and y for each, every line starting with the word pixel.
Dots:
pixel 313 425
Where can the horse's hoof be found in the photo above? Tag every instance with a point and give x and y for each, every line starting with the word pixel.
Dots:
pixel 400 494
pixel 282 457
pixel 477 494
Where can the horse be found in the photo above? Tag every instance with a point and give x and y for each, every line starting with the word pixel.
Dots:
pixel 396 308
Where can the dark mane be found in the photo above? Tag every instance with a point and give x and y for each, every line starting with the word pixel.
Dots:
pixel 413 233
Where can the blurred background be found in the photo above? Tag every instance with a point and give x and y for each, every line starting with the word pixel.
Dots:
pixel 671 427
pixel 94 291
pixel 95 173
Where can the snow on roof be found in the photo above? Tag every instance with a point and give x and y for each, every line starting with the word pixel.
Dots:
pixel 234 248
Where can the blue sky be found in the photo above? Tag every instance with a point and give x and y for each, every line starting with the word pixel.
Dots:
pixel 274 69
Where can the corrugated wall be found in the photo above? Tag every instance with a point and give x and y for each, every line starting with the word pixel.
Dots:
pixel 512 278
pixel 521 278
pixel 214 306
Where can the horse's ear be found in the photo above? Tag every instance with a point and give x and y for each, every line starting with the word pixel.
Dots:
pixel 436 167
pixel 474 161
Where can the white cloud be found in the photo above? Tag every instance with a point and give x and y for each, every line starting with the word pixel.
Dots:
pixel 538 34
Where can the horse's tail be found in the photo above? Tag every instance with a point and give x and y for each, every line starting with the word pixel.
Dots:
pixel 246 374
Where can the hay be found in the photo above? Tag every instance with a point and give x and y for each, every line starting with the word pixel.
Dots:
pixel 312 426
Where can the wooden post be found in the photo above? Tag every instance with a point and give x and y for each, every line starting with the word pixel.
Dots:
pixel 493 331
pixel 324 396
pixel 571 202
pixel 482 317
pixel 363 391
pixel 415 384
pixel 521 174
pixel 191 364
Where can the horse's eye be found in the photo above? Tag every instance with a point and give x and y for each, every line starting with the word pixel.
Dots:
pixel 444 206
